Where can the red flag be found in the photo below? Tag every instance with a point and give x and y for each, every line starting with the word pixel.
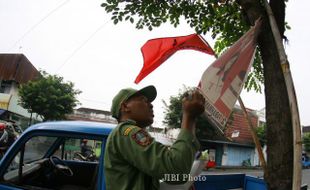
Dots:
pixel 156 51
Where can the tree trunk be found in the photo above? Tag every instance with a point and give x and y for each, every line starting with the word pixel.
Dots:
pixel 278 116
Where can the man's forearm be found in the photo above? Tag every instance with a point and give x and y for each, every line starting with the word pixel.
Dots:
pixel 188 123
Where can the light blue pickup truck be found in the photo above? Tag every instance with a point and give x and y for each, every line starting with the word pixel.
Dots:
pixel 69 155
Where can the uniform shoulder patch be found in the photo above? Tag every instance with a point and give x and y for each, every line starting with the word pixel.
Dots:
pixel 128 130
pixel 142 138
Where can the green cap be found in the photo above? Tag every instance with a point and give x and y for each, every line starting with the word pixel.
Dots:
pixel 124 94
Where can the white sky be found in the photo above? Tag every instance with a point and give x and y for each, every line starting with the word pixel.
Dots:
pixel 77 40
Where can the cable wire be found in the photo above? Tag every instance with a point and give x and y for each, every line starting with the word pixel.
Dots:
pixel 82 45
pixel 38 23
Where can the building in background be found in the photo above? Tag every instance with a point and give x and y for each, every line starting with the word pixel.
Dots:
pixel 305 130
pixel 89 114
pixel 233 148
pixel 15 69
pixel 237 148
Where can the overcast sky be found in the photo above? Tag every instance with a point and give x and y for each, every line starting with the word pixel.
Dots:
pixel 77 40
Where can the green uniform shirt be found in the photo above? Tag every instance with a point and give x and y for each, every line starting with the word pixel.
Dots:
pixel 133 160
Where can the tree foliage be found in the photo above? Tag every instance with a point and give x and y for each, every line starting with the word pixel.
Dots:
pixel 49 96
pixel 261 134
pixel 173 109
pixel 306 142
pixel 173 116
pixel 224 20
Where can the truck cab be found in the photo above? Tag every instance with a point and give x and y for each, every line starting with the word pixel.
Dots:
pixel 46 156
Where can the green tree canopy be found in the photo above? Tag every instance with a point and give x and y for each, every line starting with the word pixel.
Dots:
pixel 261 134
pixel 173 117
pixel 306 142
pixel 49 96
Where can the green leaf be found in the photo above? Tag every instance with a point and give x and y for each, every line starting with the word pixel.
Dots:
pixel 131 20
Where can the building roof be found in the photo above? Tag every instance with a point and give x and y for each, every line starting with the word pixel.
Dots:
pixel 16 67
pixel 89 114
pixel 237 129
pixel 91 110
pixel 305 129
pixel 228 142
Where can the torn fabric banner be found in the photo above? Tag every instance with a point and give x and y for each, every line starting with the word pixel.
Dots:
pixel 222 82
pixel 157 51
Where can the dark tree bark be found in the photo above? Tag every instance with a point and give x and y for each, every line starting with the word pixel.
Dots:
pixel 279 172
pixel 278 9
pixel 278 116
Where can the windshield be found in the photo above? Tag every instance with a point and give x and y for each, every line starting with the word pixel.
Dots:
pixel 35 149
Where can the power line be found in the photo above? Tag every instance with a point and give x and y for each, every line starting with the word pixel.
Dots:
pixel 82 45
pixel 38 23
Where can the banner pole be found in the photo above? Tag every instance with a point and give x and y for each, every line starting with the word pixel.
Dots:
pixel 254 136
pixel 296 183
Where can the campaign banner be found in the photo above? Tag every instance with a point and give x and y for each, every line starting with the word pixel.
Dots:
pixel 223 80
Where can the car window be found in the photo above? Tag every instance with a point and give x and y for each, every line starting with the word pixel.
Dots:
pixel 14 163
pixel 80 150
pixel 35 149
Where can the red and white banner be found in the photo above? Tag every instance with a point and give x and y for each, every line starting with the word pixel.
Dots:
pixel 222 82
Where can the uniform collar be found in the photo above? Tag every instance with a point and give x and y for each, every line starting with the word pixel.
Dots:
pixel 129 121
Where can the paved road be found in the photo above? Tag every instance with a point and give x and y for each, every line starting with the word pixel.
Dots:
pixel 258 173
pixel 306 177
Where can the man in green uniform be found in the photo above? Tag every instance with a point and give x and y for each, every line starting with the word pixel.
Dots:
pixel 133 159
